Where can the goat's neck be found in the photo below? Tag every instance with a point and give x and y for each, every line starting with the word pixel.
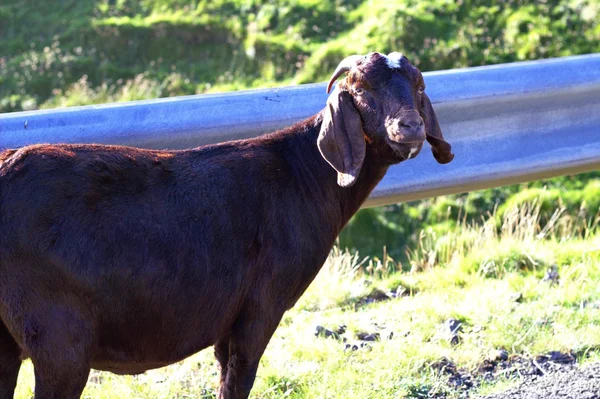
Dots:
pixel 316 178
pixel 351 198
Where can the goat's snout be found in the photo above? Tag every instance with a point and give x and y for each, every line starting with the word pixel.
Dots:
pixel 408 130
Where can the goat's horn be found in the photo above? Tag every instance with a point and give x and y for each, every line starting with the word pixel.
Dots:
pixel 342 67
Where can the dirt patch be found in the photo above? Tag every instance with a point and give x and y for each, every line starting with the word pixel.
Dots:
pixel 361 340
pixel 379 295
pixel 374 296
pixel 462 382
pixel 577 383
pixel 336 333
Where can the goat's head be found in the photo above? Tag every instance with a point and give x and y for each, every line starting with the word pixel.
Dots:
pixel 381 103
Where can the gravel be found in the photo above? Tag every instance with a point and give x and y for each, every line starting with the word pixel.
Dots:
pixel 579 383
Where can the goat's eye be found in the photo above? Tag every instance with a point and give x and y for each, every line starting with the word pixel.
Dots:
pixel 359 91
pixel 421 90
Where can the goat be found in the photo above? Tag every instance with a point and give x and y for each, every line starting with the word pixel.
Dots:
pixel 124 259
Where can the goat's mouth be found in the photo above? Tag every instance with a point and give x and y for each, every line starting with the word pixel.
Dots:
pixel 405 151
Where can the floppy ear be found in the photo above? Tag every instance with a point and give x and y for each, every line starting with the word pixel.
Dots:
pixel 341 140
pixel 442 151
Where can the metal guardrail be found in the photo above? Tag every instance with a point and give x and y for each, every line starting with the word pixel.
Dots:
pixel 507 124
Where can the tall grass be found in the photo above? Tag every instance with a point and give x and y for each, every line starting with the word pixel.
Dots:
pixel 518 240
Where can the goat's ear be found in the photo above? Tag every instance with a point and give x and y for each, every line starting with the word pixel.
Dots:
pixel 341 140
pixel 442 150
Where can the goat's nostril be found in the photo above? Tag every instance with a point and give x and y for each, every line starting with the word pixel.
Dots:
pixel 411 124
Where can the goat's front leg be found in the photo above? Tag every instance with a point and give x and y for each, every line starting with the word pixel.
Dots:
pixel 249 339
pixel 222 355
pixel 60 342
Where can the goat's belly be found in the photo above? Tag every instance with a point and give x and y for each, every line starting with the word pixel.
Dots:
pixel 138 351
pixel 123 368
pixel 119 362
pixel 150 327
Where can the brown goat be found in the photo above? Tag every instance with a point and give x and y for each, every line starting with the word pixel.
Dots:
pixel 125 259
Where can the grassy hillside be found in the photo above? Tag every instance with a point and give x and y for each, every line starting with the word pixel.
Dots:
pixel 70 52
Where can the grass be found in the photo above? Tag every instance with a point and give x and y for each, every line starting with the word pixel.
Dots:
pixel 219 45
pixel 450 279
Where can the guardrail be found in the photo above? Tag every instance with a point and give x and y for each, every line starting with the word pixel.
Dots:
pixel 507 124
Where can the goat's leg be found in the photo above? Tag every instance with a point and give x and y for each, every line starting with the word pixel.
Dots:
pixel 60 349
pixel 59 380
pixel 251 334
pixel 10 363
pixel 222 355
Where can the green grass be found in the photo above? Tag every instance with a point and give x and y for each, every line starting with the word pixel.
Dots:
pixel 218 45
pixel 297 364
pixel 576 199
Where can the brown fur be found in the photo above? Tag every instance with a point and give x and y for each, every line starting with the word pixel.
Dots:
pixel 125 259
